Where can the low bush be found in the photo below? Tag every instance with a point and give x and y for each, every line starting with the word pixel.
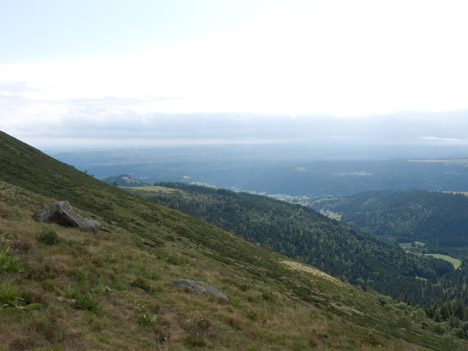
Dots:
pixel 439 329
pixel 145 320
pixel 48 237
pixel 12 297
pixel 86 302
pixel 8 262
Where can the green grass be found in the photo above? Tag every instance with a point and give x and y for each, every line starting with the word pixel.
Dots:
pixel 94 289
pixel 456 262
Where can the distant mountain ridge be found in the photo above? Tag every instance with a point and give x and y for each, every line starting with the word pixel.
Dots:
pixel 277 169
pixel 124 180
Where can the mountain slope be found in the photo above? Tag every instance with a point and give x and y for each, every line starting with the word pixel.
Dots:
pixel 304 234
pixel 437 219
pixel 120 279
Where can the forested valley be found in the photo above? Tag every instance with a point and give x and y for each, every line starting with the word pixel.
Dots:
pixel 336 248
pixel 436 221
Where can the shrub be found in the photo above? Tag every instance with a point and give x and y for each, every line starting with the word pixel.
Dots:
pixel 70 292
pixel 234 302
pixel 145 320
pixel 424 325
pixel 12 297
pixel 86 302
pixel 48 237
pixel 439 329
pixel 8 262
pixel 160 330
pixel 458 332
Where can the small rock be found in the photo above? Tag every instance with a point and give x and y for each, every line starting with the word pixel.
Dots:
pixel 62 213
pixel 199 287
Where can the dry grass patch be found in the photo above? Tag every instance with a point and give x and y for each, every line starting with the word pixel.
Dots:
pixel 309 269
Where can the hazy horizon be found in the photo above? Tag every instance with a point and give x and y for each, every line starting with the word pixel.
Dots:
pixel 433 130
pixel 114 74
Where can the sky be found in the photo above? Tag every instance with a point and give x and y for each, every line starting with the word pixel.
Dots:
pixel 118 72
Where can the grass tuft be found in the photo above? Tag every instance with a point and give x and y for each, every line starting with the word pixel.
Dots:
pixel 11 297
pixel 86 302
pixel 195 341
pixel 48 237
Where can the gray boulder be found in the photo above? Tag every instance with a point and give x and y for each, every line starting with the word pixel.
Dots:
pixel 62 213
pixel 199 287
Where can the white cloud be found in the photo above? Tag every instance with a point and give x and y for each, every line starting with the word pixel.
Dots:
pixel 342 58
pixel 449 141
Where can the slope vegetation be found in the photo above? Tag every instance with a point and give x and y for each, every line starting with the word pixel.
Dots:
pixel 437 219
pixel 67 289
pixel 303 234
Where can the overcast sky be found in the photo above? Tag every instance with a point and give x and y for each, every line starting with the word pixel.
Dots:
pixel 85 71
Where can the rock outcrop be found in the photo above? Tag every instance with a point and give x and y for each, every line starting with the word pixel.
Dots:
pixel 199 287
pixel 62 213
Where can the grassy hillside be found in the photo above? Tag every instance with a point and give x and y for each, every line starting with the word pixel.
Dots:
pixel 304 234
pixel 67 289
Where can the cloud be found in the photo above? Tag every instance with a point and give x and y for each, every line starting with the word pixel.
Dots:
pixel 337 58
pixel 449 141
pixel 114 121
pixel 13 88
